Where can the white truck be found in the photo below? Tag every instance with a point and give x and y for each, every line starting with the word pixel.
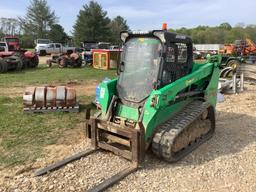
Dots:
pixel 53 48
pixel 3 47
pixel 41 43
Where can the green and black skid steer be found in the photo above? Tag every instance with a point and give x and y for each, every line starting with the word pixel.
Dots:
pixel 161 100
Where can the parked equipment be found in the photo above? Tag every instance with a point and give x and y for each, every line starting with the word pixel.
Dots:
pixel 161 100
pixel 53 48
pixel 50 99
pixel 105 59
pixel 13 42
pixel 233 62
pixel 239 48
pixel 66 60
pixel 15 58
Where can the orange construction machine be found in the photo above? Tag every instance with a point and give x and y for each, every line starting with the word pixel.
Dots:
pixel 239 48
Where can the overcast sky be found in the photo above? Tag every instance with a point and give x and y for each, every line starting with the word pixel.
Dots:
pixel 149 14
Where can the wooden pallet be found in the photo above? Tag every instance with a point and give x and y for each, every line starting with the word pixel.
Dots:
pixel 74 109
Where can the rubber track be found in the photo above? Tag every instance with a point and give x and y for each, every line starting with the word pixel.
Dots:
pixel 168 131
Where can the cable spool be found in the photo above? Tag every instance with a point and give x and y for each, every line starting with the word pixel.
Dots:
pixel 40 94
pixel 60 96
pixel 29 97
pixel 70 96
pixel 51 96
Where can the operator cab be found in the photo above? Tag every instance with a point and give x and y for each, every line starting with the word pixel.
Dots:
pixel 151 60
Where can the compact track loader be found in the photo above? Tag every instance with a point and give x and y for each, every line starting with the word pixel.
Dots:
pixel 160 101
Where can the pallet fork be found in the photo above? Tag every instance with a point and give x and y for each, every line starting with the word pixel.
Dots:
pixel 128 143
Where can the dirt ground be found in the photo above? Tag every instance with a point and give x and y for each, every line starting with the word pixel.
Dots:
pixel 85 88
pixel 43 59
pixel 227 162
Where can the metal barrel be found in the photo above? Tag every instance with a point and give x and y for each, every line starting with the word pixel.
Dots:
pixel 60 96
pixel 70 97
pixel 29 97
pixel 51 96
pixel 40 94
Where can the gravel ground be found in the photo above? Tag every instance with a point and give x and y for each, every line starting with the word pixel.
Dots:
pixel 227 162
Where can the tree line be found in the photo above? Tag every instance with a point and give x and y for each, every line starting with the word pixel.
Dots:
pixel 40 21
pixel 93 24
pixel 224 33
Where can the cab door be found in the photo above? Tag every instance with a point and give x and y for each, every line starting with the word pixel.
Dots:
pixel 50 48
pixel 57 48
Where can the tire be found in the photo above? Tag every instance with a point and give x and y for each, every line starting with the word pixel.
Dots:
pixel 42 53
pixel 1 65
pixel 49 63
pixel 233 63
pixel 19 62
pixel 16 60
pixel 69 52
pixel 78 63
pixel 34 62
pixel 63 62
pixel 5 66
pixel 25 62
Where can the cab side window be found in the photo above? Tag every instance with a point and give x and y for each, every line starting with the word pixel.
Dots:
pixel 182 59
pixel 176 62
pixel 168 73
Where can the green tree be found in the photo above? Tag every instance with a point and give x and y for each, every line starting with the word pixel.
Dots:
pixel 9 26
pixel 57 34
pixel 226 26
pixel 92 24
pixel 224 33
pixel 26 41
pixel 117 25
pixel 1 33
pixel 38 19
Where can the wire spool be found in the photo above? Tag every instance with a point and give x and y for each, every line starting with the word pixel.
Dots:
pixel 29 97
pixel 40 94
pixel 70 97
pixel 60 96
pixel 51 96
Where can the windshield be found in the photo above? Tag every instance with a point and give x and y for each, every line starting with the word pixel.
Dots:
pixel 43 41
pixel 140 60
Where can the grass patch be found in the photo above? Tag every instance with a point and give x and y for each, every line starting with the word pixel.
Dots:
pixel 30 49
pixel 45 75
pixel 22 136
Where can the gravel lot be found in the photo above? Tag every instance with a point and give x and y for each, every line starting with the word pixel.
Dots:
pixel 227 162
